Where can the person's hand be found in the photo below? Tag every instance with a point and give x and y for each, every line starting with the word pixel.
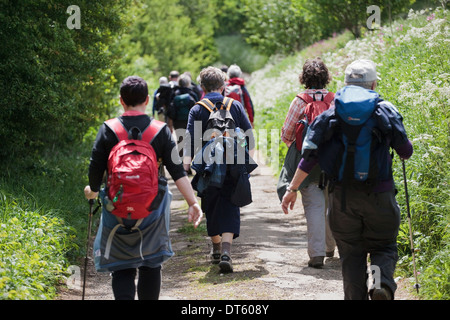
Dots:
pixel 288 201
pixel 186 167
pixel 195 214
pixel 89 194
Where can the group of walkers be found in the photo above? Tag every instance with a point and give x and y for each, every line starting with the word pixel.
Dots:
pixel 359 218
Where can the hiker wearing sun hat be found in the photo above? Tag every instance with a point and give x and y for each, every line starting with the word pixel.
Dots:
pixel 351 143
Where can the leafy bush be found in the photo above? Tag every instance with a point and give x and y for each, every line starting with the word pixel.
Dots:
pixel 34 245
pixel 279 26
pixel 419 84
pixel 43 218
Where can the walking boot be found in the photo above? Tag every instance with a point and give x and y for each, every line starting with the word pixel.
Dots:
pixel 225 263
pixel 381 294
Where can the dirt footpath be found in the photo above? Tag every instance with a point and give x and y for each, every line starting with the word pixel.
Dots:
pixel 269 257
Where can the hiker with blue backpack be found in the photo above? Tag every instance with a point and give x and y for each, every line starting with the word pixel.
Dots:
pixel 351 142
pixel 221 200
pixel 303 109
pixel 133 236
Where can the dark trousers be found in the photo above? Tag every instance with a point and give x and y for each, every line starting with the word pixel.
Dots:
pixel 368 226
pixel 148 288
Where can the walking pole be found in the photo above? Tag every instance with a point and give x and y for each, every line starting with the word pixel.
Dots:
pixel 417 285
pixel 91 214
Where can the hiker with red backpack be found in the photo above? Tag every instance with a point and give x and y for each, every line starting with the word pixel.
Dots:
pixel 302 111
pixel 235 88
pixel 133 235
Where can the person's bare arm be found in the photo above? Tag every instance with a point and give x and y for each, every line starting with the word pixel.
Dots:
pixel 290 197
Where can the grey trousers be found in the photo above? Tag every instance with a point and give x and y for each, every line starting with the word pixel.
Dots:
pixel 315 205
pixel 368 226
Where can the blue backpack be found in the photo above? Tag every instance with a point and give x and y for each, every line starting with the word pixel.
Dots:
pixel 355 107
pixel 353 140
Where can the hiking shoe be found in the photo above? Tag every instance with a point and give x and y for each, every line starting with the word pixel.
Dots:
pixel 225 263
pixel 316 262
pixel 215 257
pixel 381 294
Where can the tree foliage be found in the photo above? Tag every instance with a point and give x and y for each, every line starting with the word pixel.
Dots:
pixel 278 26
pixel 230 17
pixel 352 14
pixel 288 25
pixel 167 35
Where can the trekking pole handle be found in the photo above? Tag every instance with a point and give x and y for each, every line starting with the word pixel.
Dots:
pixel 93 211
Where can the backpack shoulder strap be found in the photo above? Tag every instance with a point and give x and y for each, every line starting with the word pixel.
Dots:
pixel 329 98
pixel 152 130
pixel 121 132
pixel 207 104
pixel 117 127
pixel 227 103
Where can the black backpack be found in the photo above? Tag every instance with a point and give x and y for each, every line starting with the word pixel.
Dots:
pixel 164 94
pixel 220 121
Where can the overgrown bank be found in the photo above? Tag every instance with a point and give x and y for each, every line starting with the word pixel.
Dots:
pixel 412 56
pixel 43 216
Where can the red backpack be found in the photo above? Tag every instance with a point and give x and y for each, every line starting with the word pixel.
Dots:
pixel 133 178
pixel 312 110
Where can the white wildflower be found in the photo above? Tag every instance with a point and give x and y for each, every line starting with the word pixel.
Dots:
pixel 423 138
